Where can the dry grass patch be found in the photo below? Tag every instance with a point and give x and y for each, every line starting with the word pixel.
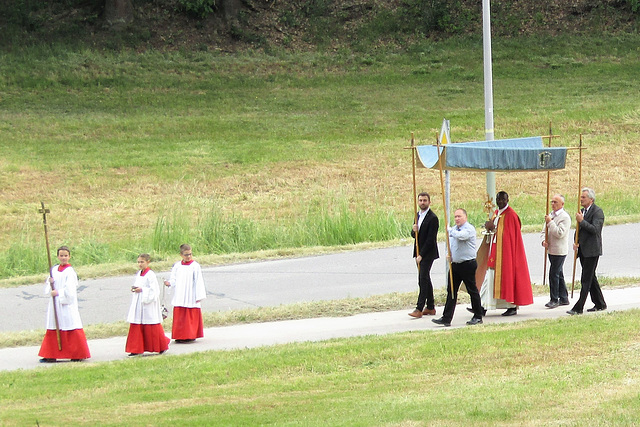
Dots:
pixel 125 202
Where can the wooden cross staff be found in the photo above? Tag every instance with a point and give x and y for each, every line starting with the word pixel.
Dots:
pixel 44 211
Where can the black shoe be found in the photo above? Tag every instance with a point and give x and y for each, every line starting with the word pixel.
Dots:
pixel 592 309
pixel 564 302
pixel 47 360
pixel 184 341
pixel 441 321
pixel 484 311
pixel 134 354
pixel 76 360
pixel 552 304
pixel 572 312
pixel 511 311
pixel 474 321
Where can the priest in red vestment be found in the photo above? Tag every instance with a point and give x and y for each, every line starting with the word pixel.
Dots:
pixel 506 283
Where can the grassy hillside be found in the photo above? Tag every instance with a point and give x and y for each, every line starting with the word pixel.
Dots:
pixel 206 25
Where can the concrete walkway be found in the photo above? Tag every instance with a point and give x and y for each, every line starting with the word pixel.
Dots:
pixel 272 333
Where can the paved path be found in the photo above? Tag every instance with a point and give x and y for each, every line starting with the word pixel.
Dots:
pixel 325 277
pixel 271 333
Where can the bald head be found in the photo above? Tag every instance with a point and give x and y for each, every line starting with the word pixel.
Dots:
pixel 557 202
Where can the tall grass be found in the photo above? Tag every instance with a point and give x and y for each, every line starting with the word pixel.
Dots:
pixel 325 226
pixel 217 233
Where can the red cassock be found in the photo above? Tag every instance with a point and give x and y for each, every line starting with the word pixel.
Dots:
pixel 72 338
pixel 74 345
pixel 508 258
pixel 149 338
pixel 187 323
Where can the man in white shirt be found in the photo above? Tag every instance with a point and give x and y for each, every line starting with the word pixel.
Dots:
pixel 555 237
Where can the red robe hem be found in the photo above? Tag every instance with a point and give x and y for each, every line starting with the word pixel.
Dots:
pixel 149 338
pixel 187 323
pixel 74 345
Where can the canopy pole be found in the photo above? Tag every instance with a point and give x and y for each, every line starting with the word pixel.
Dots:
pixel 546 229
pixel 415 196
pixel 575 244
pixel 446 216
pixel 488 90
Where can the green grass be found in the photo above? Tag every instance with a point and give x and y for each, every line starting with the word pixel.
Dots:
pixel 138 152
pixel 529 373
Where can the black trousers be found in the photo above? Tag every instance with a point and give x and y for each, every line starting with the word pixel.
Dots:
pixel 590 285
pixel 462 272
pixel 557 285
pixel 425 296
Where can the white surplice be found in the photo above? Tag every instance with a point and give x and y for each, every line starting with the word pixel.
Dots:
pixel 66 283
pixel 145 306
pixel 187 285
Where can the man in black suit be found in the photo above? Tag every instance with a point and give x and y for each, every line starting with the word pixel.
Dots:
pixel 590 220
pixel 426 230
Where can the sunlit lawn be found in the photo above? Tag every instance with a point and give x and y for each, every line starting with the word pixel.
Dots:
pixel 529 373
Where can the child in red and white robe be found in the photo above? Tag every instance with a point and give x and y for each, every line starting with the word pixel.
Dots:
pixel 188 290
pixel 62 286
pixel 145 313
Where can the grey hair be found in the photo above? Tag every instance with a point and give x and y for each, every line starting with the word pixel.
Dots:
pixel 590 193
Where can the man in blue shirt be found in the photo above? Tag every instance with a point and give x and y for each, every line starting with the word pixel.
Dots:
pixel 462 239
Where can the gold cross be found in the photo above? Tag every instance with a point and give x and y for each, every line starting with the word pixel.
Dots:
pixel 44 211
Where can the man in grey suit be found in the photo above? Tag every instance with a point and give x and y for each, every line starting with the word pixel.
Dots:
pixel 555 238
pixel 590 220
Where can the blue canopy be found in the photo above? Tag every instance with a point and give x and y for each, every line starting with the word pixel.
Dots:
pixel 519 154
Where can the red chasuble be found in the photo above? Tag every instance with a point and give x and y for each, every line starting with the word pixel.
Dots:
pixel 512 280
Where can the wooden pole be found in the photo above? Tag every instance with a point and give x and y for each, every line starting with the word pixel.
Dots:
pixel 446 216
pixel 546 229
pixel 415 196
pixel 44 211
pixel 575 251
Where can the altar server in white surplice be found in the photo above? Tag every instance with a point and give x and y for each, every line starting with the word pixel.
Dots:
pixel 187 285
pixel 65 297
pixel 145 314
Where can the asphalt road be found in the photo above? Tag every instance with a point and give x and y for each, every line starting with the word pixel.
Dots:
pixel 325 277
